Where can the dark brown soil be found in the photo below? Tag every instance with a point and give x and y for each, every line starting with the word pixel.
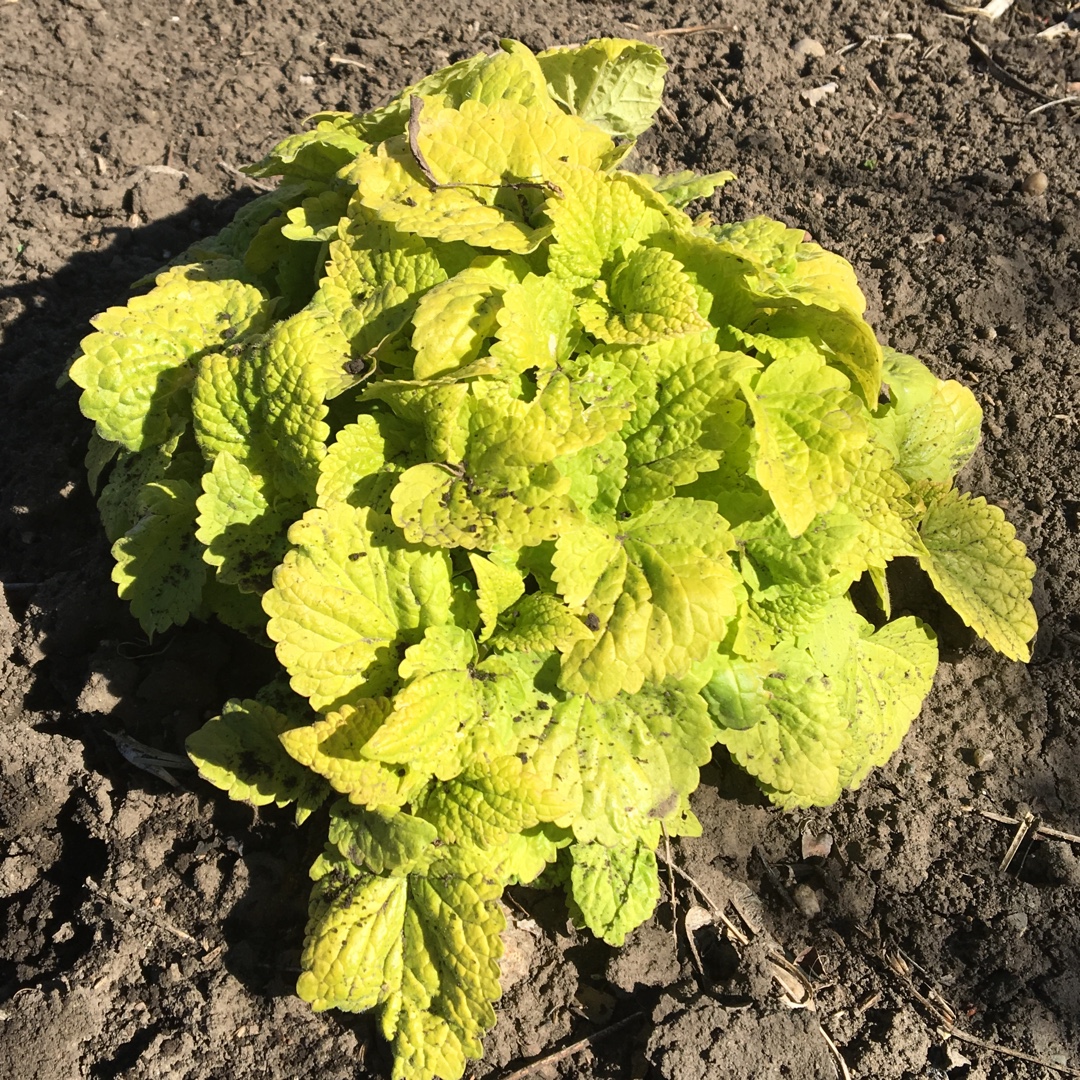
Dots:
pixel 154 931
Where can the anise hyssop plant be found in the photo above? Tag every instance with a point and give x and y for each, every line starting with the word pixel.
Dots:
pixel 540 488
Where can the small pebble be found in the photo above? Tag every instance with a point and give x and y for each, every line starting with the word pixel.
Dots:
pixel 808 46
pixel 1035 183
pixel 1017 920
pixel 806 900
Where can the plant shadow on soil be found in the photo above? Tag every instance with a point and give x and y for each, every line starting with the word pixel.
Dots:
pixel 90 671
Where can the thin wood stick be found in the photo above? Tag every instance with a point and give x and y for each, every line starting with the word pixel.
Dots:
pixel 157 920
pixel 568 1051
pixel 1007 1051
pixel 232 170
pixel 999 73
pixel 1042 830
pixel 1021 842
pixel 716 909
pixel 671 885
pixel 1072 99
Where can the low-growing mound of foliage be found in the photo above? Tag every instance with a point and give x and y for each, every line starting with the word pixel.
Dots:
pixel 541 488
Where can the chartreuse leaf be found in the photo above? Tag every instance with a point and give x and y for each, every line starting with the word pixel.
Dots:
pixel 483 805
pixel 479 155
pixel 657 590
pixel 313 155
pixel 808 427
pixel 930 426
pixel 893 671
pixel 646 298
pixel 735 692
pixel 365 459
pixel 374 276
pixel 433 714
pixel 317 218
pixel 454 319
pixel 332 747
pixel 615 889
pixel 343 598
pixel 624 765
pixel 975 561
pixel 260 417
pixel 121 500
pixel 613 83
pixel 540 622
pixel 596 216
pixel 353 957
pixel 537 326
pixel 512 74
pixel 515 506
pixel 695 418
pixel 137 368
pixel 796 750
pixel 240 752
pixel 382 839
pixel 499 583
pixel 451 948
pixel 159 568
pixel 682 188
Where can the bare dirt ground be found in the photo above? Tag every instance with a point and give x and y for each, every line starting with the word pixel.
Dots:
pixel 154 931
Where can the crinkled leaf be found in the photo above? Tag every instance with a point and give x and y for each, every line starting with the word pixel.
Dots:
pixel 451 947
pixel 807 427
pixel 930 426
pixel 893 672
pixel 646 298
pixel 316 219
pixel 511 507
pixel 540 622
pixel 352 955
pixel 364 461
pixel 735 692
pixel 797 749
pixel 137 368
pixel 484 157
pixel 595 217
pixel 159 566
pixel 615 889
pixel 344 597
pixel 313 155
pixel 512 74
pixel 499 583
pixel 657 591
pixel 625 765
pixel 611 82
pixel 382 839
pixel 975 561
pixel 332 748
pixel 374 276
pixel 683 187
pixel 455 318
pixel 537 326
pixel 240 752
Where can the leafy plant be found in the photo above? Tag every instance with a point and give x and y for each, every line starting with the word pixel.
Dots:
pixel 541 488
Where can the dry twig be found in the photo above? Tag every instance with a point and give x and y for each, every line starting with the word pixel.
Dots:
pixel 135 909
pixel 232 170
pixel 1007 78
pixel 556 1056
pixel 680 31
